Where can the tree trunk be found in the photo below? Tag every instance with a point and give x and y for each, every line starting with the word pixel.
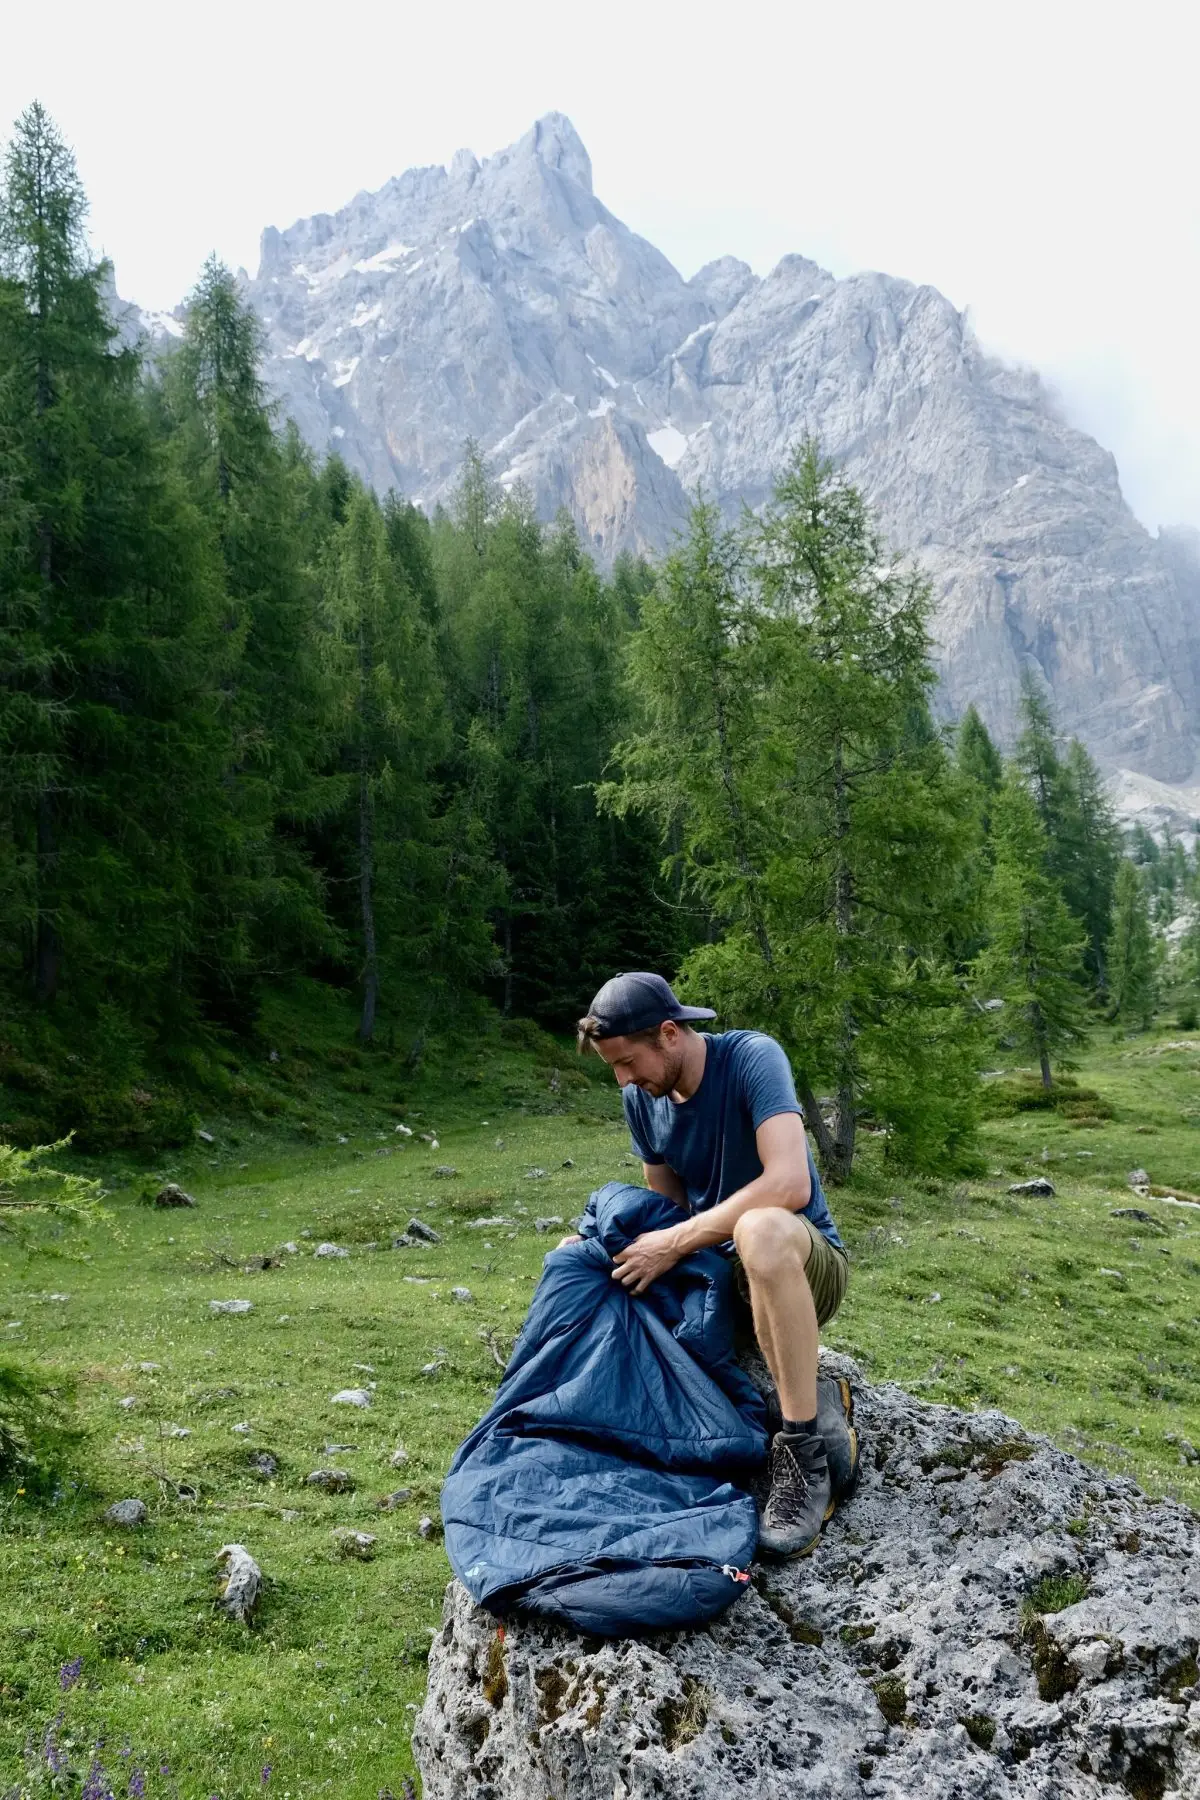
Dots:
pixel 1043 1048
pixel 366 848
pixel 818 1130
pixel 48 946
pixel 507 964
pixel 843 912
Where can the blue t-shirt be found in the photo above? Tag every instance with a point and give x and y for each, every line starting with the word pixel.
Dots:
pixel 709 1139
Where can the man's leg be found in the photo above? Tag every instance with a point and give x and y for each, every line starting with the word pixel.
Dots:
pixel 774 1247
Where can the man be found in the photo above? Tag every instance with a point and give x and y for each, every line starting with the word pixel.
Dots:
pixel 718 1128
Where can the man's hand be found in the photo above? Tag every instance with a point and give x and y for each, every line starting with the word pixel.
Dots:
pixel 646 1259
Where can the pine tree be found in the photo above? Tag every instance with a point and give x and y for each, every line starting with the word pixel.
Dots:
pixel 532 643
pixel 1083 842
pixel 978 757
pixel 1086 853
pixel 788 748
pixel 263 503
pixel 110 639
pixel 1034 960
pixel 1131 971
pixel 392 738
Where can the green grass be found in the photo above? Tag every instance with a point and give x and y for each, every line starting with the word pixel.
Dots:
pixel 323 1688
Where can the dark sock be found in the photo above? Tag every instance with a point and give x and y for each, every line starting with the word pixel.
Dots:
pixel 800 1427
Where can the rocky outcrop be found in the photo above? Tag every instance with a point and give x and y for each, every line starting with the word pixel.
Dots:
pixel 986 1617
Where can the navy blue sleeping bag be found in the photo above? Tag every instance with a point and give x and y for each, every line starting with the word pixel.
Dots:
pixel 606 1485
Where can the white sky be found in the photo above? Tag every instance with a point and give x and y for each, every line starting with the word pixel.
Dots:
pixel 1034 159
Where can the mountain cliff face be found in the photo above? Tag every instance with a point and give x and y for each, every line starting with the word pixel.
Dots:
pixel 502 301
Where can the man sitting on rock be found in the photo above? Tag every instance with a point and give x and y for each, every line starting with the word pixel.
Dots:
pixel 716 1123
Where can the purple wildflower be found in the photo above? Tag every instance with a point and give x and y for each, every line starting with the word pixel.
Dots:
pixel 266 1774
pixel 54 1757
pixel 70 1672
pixel 137 1783
pixel 96 1786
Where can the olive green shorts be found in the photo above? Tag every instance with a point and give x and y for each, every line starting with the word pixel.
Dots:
pixel 828 1271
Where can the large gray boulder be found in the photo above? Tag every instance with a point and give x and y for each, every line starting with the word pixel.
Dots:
pixel 913 1654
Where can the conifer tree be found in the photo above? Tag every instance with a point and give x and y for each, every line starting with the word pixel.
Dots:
pixel 1082 837
pixel 1034 958
pixel 786 743
pixel 1131 971
pixel 978 757
pixel 110 639
pixel 256 492
pixel 392 738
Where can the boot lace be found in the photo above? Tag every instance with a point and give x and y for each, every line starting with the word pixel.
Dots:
pixel 790 1487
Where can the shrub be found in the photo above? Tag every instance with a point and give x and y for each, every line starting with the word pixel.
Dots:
pixel 38 1434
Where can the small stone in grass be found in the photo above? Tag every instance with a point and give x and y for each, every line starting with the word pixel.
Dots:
pixel 292 1249
pixel 330 1250
pixel 445 1171
pixel 535 1174
pixel 398 1457
pixel 568 1162
pixel 149 1368
pixel 243 1581
pixel 243 1429
pixel 417 1228
pixel 398 1497
pixel 461 1293
pixel 547 1224
pixel 337 1449
pixel 289 1515
pixel 264 1465
pixel 1138 1178
pixel 350 1397
pixel 230 1306
pixel 206 1137
pixel 1039 1187
pixel 173 1195
pixel 128 1403
pixel 127 1513
pixel 428 1528
pixel 179 1431
pixel 359 1544
pixel 331 1481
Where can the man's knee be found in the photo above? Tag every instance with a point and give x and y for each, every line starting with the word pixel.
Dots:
pixel 767 1238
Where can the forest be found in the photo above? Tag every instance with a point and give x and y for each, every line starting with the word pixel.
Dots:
pixel 261 726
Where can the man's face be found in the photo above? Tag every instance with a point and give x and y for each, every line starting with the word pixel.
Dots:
pixel 653 1065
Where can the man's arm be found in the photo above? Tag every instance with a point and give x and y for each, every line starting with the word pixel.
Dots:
pixel 659 1177
pixel 783 1152
pixel 663 1179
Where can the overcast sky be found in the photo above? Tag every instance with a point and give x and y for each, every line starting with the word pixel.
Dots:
pixel 1036 159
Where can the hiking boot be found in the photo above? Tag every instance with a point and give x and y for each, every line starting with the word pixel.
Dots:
pixel 800 1498
pixel 835 1422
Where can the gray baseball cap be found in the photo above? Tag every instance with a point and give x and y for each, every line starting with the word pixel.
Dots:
pixel 636 1001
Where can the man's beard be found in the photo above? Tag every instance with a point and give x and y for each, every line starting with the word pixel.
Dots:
pixel 670 1077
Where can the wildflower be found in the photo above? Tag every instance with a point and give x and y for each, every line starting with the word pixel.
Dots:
pixel 96 1786
pixel 266 1774
pixel 70 1672
pixel 56 1762
pixel 137 1783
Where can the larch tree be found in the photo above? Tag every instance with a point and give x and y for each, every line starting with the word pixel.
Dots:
pixel 787 749
pixel 1034 958
pixel 1132 987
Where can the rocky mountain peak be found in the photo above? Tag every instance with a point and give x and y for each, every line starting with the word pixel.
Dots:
pixel 500 300
pixel 555 142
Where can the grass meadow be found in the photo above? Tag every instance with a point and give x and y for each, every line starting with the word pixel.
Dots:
pixel 1083 1325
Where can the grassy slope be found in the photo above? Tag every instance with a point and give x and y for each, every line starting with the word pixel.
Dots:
pixel 324 1688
